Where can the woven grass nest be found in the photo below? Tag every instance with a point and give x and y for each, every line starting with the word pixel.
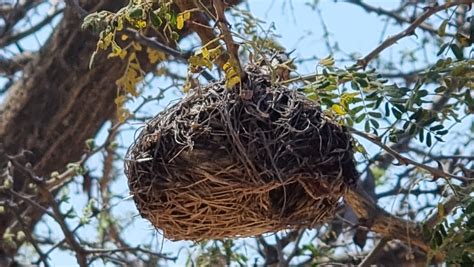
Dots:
pixel 216 165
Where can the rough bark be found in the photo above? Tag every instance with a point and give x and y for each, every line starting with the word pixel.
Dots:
pixel 382 222
pixel 59 103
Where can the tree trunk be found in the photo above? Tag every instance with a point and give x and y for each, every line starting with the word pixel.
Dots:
pixel 59 103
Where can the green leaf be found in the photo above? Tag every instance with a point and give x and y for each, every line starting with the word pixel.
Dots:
pixel 356 110
pixel 375 123
pixel 387 110
pixel 428 139
pixel 440 89
pixel 442 28
pixel 422 93
pixel 367 126
pixel 421 135
pixel 443 132
pixel 442 49
pixel 438 238
pixel 360 118
pixel 436 128
pixel 457 51
pixel 396 113
pixel 468 98
pixel 174 36
pixel 470 223
pixel 135 13
pixel 470 208
pixel 442 230
pixel 155 20
pixel 355 86
pixel 375 115
pixel 362 82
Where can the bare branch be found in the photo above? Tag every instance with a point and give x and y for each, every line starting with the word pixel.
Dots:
pixel 10 66
pixel 392 14
pixel 76 8
pixel 9 39
pixel 410 30
pixel 436 172
pixel 374 254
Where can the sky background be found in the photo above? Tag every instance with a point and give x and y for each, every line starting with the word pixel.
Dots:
pixel 301 28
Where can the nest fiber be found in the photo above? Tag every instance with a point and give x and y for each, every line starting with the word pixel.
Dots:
pixel 218 165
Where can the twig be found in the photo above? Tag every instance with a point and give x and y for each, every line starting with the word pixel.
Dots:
pixel 374 254
pixel 391 14
pixel 436 172
pixel 56 212
pixel 43 257
pixel 153 43
pixel 448 205
pixel 130 249
pixel 409 30
pixel 76 8
pixel 16 63
pixel 232 47
pixel 9 39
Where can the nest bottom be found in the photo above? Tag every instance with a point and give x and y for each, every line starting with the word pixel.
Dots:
pixel 216 166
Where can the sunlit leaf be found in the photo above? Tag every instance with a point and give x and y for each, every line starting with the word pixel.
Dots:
pixel 338 109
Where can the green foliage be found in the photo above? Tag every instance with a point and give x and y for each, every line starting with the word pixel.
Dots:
pixel 218 253
pixel 359 97
pixel 455 237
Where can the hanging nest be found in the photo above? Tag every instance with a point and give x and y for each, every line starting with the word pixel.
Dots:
pixel 216 165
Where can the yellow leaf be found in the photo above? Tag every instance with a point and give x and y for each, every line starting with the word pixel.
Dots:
pixel 338 109
pixel 186 15
pixel 123 114
pixel 123 54
pixel 140 24
pixel 227 66
pixel 154 55
pixel 124 37
pixel 119 24
pixel 197 61
pixel 346 99
pixel 214 53
pixel 180 22
pixel 117 51
pixel 137 46
pixel 205 53
pixel 120 100
pixel 441 211
pixel 232 82
pixel 442 28
pixel 327 61
pixel 187 86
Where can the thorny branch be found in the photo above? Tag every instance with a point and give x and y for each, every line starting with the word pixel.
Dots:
pixel 410 30
pixel 221 20
pixel 436 172
pixel 394 15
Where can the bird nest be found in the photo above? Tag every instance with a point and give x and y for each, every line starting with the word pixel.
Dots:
pixel 217 165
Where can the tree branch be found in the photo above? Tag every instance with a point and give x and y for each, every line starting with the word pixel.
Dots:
pixel 409 30
pixel 436 172
pixel 382 222
pixel 374 254
pixel 391 14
